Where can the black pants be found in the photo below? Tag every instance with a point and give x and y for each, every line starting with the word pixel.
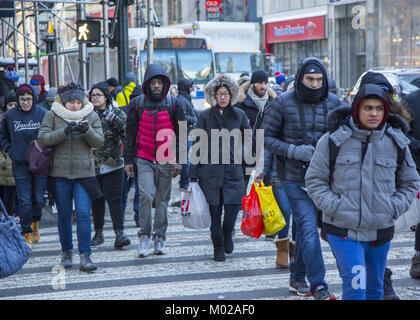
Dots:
pixel 112 187
pixel 417 238
pixel 9 198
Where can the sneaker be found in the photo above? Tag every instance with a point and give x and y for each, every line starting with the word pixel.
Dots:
pixel 159 246
pixel 299 287
pixel 321 293
pixel 145 244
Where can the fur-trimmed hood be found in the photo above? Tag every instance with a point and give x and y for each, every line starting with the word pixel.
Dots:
pixel 222 79
pixel 342 115
pixel 244 88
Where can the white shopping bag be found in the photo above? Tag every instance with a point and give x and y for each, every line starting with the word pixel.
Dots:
pixel 195 211
pixel 409 218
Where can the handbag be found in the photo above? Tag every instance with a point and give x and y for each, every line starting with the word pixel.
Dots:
pixel 14 252
pixel 195 210
pixel 272 217
pixel 252 224
pixel 39 157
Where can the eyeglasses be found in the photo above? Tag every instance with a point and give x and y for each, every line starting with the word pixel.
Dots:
pixel 27 100
pixel 97 95
pixel 224 95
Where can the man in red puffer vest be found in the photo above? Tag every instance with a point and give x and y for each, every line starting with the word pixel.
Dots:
pixel 152 127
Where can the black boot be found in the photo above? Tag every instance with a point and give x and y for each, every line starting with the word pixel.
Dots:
pixel 415 267
pixel 98 238
pixel 219 248
pixel 121 240
pixel 86 263
pixel 228 241
pixel 389 293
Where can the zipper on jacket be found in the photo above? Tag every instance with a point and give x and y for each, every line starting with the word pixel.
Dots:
pixel 154 152
pixel 365 145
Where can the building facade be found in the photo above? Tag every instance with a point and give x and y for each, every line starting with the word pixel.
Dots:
pixel 367 34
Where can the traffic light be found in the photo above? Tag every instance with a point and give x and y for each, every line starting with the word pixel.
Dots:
pixel 88 31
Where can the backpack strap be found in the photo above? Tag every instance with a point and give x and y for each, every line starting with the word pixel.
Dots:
pixel 306 140
pixel 333 152
pixel 170 105
pixel 125 97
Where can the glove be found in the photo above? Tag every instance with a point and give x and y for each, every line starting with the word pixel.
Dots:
pixel 70 128
pixel 303 152
pixel 82 127
pixel 110 116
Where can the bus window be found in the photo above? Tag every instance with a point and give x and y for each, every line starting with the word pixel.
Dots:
pixel 196 65
pixel 166 58
pixel 229 62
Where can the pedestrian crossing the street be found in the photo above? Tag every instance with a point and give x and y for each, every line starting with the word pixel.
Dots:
pixel 186 271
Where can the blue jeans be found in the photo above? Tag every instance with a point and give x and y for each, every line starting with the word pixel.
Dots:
pixel 184 179
pixel 361 267
pixel 308 255
pixel 284 206
pixel 30 189
pixel 65 191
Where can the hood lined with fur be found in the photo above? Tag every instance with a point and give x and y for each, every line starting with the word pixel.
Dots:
pixel 223 79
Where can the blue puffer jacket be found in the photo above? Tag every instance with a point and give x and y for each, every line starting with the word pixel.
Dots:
pixel 19 128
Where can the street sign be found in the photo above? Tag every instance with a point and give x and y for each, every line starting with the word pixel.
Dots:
pixel 88 31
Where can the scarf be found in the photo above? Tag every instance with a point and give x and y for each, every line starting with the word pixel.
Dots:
pixel 259 101
pixel 70 116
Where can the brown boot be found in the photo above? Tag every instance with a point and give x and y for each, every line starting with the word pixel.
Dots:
pixel 282 254
pixel 27 240
pixel 34 236
pixel 292 251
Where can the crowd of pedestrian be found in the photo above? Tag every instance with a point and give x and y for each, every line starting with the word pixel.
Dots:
pixel 345 171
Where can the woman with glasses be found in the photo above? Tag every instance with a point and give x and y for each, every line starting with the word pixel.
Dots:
pixel 19 128
pixel 109 165
pixel 222 181
pixel 73 129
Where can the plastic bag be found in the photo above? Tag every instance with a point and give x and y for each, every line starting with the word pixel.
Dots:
pixel 195 210
pixel 252 222
pixel 272 217
pixel 410 218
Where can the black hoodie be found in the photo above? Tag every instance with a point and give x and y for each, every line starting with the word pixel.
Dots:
pixel 184 96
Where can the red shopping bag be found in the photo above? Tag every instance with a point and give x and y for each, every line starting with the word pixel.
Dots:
pixel 252 220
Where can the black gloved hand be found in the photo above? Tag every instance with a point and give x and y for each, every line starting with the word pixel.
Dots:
pixel 82 127
pixel 70 128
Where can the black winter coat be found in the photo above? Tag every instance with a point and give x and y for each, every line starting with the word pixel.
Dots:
pixel 412 102
pixel 283 127
pixel 217 179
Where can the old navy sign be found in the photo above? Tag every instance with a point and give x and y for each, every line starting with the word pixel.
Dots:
pixel 296 30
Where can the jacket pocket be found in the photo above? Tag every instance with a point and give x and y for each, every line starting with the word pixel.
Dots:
pixel 347 168
pixel 384 175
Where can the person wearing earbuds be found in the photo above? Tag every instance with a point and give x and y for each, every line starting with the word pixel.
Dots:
pixel 73 129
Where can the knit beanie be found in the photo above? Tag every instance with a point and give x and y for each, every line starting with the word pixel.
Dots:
pixel 280 77
pixel 259 76
pixel 72 91
pixel 11 98
pixel 129 77
pixel 11 74
pixel 25 88
pixel 51 94
pixel 312 68
pixel 113 82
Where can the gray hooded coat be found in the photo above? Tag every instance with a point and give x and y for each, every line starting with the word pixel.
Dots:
pixel 367 191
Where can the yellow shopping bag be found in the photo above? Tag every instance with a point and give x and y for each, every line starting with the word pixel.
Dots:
pixel 272 217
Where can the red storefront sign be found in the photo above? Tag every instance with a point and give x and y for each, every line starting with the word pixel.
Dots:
pixel 296 30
